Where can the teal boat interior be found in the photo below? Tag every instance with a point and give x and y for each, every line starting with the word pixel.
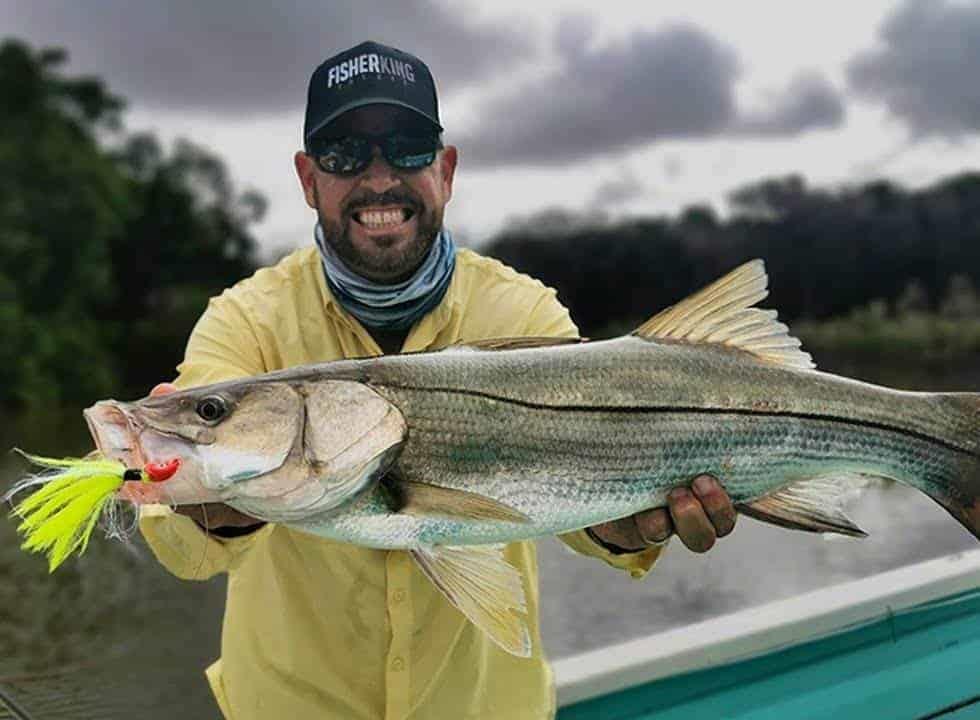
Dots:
pixel 896 645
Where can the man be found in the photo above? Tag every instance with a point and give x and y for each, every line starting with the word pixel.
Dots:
pixel 315 629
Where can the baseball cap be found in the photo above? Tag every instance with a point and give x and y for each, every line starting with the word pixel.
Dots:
pixel 369 74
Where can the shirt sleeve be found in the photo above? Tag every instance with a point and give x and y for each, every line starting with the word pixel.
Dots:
pixel 636 564
pixel 549 317
pixel 222 347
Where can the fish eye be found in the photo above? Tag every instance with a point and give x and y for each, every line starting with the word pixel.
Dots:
pixel 212 408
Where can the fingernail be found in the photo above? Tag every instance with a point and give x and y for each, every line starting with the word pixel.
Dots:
pixel 704 485
pixel 679 494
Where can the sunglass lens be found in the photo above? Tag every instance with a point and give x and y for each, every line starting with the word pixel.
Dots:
pixel 411 151
pixel 343 156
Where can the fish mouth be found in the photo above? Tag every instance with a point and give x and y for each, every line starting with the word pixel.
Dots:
pixel 114 433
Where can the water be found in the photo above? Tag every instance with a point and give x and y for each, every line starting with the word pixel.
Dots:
pixel 112 635
pixel 590 605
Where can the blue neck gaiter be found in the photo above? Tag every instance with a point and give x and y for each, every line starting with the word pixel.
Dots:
pixel 390 307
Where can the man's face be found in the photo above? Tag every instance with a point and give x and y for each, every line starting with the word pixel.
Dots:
pixel 383 220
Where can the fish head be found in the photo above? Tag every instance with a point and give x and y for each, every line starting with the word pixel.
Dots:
pixel 219 434
pixel 292 448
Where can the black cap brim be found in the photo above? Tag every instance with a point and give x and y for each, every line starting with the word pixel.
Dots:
pixel 369 101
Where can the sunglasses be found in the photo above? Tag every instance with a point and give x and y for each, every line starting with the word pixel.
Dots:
pixel 351 154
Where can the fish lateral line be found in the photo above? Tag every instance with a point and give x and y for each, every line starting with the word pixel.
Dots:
pixel 694 410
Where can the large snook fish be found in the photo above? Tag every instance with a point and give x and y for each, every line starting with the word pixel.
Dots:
pixel 450 454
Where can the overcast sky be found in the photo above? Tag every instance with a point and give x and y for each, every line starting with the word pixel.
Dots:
pixel 626 111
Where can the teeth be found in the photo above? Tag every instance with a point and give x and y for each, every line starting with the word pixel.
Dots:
pixel 382 218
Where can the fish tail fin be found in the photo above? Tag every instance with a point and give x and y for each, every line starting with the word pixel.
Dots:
pixel 952 481
pixel 957 489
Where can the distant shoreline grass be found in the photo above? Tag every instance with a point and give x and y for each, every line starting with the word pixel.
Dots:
pixel 911 349
pixel 872 333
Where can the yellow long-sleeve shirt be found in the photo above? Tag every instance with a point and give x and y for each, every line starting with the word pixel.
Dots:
pixel 319 629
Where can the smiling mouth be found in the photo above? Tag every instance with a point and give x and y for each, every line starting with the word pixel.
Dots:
pixel 383 218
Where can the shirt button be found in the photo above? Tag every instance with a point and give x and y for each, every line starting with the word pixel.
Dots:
pixel 398 664
pixel 399 596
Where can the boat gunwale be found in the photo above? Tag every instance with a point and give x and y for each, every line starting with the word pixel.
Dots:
pixel 762 629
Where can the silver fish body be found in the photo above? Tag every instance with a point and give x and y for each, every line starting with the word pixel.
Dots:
pixel 574 435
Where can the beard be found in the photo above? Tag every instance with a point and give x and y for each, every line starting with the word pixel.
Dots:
pixel 384 261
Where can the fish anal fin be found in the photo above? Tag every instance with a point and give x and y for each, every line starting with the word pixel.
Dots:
pixel 515 343
pixel 812 505
pixel 482 585
pixel 423 499
pixel 723 313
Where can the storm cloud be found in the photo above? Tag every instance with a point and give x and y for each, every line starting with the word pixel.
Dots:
pixel 675 82
pixel 238 56
pixel 809 102
pixel 925 68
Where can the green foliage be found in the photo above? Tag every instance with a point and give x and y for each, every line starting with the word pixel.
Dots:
pixel 109 246
pixel 885 332
pixel 185 241
pixel 870 330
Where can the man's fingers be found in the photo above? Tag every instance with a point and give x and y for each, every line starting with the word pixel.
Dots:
pixel 716 503
pixel 654 526
pixel 691 523
pixel 163 389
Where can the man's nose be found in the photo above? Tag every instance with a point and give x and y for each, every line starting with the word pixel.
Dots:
pixel 379 176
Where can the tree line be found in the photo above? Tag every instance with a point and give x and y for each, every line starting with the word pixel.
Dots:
pixel 827 251
pixel 109 246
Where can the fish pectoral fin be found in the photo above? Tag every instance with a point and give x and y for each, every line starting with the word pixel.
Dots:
pixel 812 505
pixel 423 499
pixel 515 343
pixel 723 314
pixel 482 585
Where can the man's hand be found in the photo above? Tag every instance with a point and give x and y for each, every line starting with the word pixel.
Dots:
pixel 209 516
pixel 699 516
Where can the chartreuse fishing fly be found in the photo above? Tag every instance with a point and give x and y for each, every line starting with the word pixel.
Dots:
pixel 72 494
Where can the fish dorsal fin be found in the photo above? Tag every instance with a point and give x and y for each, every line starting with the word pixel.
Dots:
pixel 813 505
pixel 723 314
pixel 515 343
pixel 483 586
pixel 423 499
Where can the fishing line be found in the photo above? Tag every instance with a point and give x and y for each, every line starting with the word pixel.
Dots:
pixel 207 534
pixel 207 539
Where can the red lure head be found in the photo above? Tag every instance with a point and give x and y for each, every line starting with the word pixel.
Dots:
pixel 158 472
